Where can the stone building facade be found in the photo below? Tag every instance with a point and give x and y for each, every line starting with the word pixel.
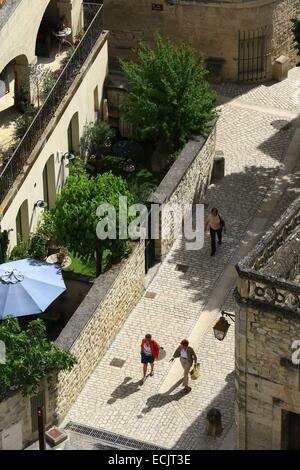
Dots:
pixel 35 168
pixel 240 40
pixel 268 339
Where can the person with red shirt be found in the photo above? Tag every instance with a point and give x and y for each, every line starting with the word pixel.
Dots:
pixel 149 352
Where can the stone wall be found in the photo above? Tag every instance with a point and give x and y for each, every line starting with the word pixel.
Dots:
pixel 267 381
pixel 267 325
pixel 16 409
pixel 184 183
pixel 282 43
pixel 212 27
pixel 96 322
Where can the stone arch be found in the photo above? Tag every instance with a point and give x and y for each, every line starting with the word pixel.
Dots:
pixel 22 222
pixel 14 80
pixel 44 35
pixel 49 186
pixel 73 134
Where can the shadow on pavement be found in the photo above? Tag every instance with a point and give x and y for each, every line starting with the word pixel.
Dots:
pixel 123 390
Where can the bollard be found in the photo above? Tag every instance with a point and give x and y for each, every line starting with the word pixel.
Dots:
pixel 214 423
pixel 218 170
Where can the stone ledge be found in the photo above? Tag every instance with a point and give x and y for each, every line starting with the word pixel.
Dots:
pixel 179 168
pixel 101 286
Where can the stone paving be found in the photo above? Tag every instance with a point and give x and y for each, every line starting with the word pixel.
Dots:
pixel 254 142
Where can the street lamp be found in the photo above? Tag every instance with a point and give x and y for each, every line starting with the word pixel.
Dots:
pixel 41 204
pixel 222 325
pixel 129 168
pixel 68 156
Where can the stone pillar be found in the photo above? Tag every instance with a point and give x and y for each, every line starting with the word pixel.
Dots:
pixel 214 423
pixel 240 375
pixel 280 68
pixel 22 85
pixel 218 171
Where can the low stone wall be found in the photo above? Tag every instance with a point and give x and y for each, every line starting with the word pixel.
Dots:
pixel 185 183
pixel 16 418
pixel 96 322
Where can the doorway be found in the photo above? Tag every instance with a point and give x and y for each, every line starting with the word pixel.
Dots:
pixel 290 431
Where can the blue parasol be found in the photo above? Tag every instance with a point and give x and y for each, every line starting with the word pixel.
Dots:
pixel 28 287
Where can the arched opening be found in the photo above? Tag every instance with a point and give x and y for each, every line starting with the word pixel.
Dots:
pixel 14 97
pixel 49 191
pixel 54 34
pixel 73 135
pixel 22 222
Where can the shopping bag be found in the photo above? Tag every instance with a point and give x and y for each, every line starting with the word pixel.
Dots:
pixel 195 372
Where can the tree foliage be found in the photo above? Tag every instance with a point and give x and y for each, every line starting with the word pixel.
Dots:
pixel 296 33
pixel 169 99
pixel 30 357
pixel 76 219
pixel 96 135
pixel 4 242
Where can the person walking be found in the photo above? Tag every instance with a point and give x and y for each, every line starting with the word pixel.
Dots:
pixel 149 352
pixel 215 223
pixel 187 357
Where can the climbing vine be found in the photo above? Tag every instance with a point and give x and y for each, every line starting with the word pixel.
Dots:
pixel 296 33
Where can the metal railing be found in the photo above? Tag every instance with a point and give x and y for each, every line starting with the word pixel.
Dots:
pixel 25 147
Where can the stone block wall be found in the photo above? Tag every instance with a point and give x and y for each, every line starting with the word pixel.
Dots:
pixel 185 183
pixel 96 322
pixel 211 27
pixel 268 383
pixel 17 409
pixel 282 39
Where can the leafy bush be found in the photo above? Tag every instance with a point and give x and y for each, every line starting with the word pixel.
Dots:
pixel 296 33
pixel 49 83
pixel 30 357
pixel 24 121
pixel 77 167
pixel 127 149
pixel 142 184
pixel 66 58
pixel 4 241
pixel 96 135
pixel 20 251
pixel 116 164
pixel 38 246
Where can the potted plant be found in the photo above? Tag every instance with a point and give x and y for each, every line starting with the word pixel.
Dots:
pixel 62 255
pixel 61 24
pixel 96 140
pixel 21 100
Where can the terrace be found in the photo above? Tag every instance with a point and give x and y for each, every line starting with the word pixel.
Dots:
pixel 61 57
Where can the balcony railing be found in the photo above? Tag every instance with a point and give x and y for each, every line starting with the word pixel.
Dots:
pixel 25 147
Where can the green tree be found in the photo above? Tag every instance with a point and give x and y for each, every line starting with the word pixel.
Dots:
pixel 4 242
pixel 23 122
pixel 39 76
pixel 296 33
pixel 30 357
pixel 76 219
pixel 96 135
pixel 168 99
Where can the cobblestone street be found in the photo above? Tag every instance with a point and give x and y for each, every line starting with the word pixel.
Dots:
pixel 255 128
